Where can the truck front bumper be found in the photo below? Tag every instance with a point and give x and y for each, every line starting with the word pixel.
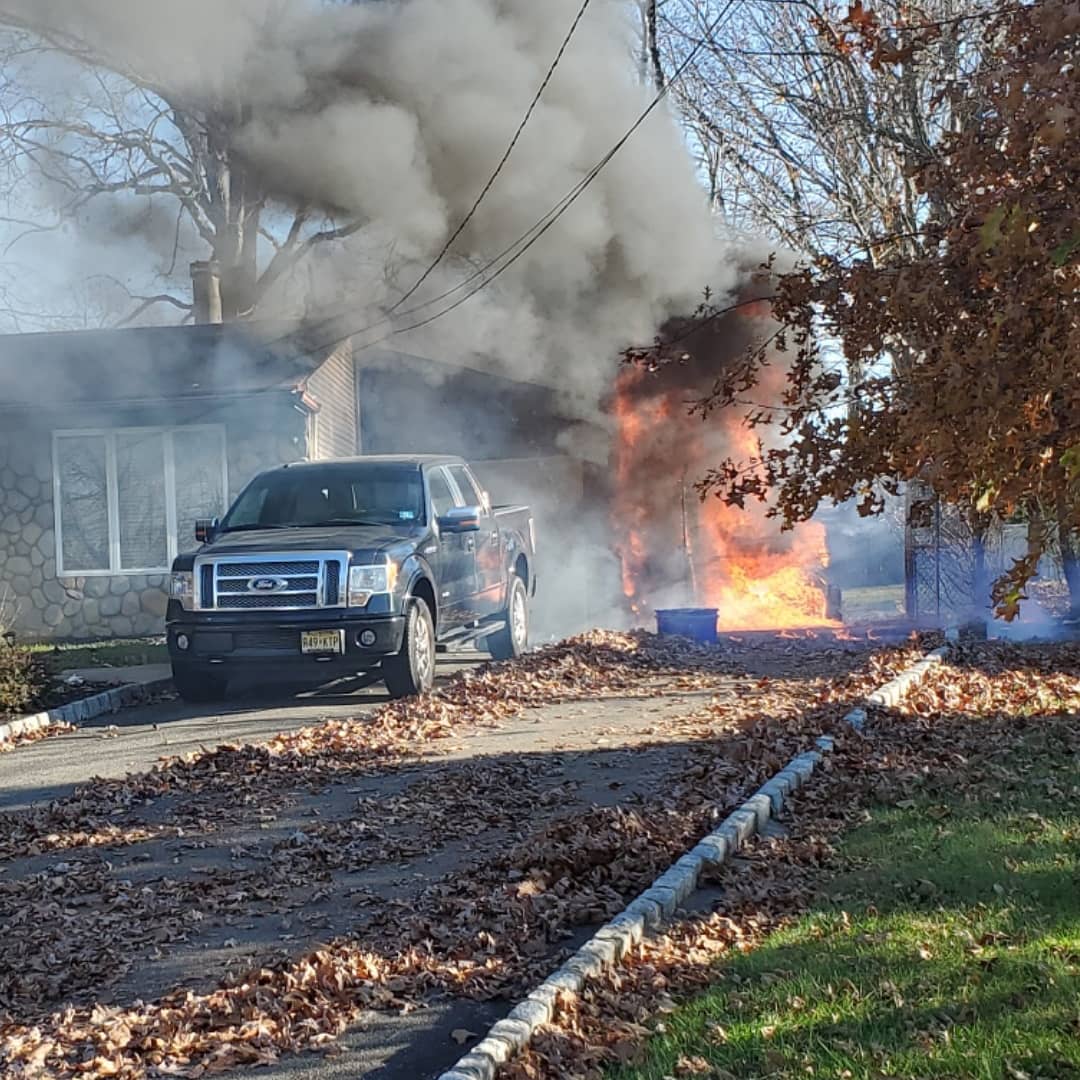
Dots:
pixel 233 644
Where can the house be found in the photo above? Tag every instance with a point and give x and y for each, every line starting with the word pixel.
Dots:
pixel 113 443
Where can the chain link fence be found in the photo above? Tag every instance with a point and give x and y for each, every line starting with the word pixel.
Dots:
pixel 949 568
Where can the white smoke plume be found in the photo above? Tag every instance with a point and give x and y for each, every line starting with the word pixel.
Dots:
pixel 396 112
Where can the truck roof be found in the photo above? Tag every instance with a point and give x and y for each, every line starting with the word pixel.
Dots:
pixel 417 460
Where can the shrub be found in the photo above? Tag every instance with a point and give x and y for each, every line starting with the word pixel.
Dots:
pixel 23 679
pixel 23 676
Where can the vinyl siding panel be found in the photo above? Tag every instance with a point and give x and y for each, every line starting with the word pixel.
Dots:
pixel 335 427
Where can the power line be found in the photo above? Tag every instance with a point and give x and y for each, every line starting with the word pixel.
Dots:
pixel 505 158
pixel 538 230
pixel 534 234
pixel 491 180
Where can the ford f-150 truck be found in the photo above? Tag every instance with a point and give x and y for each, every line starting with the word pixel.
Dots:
pixel 370 564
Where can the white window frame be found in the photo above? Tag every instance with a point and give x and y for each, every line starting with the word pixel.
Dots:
pixel 166 434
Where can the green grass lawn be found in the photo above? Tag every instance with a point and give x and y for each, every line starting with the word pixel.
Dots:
pixel 873 602
pixel 119 653
pixel 950 948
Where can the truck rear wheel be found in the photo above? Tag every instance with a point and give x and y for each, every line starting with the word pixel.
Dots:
pixel 411 670
pixel 513 639
pixel 198 685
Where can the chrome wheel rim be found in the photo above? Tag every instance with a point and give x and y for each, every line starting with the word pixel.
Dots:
pixel 423 652
pixel 519 620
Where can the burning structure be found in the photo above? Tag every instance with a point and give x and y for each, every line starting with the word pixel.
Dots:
pixel 675 548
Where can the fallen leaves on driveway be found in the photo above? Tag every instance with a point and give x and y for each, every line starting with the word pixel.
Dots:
pixel 489 928
pixel 242 777
pixel 59 727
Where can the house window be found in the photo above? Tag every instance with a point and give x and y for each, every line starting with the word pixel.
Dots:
pixel 127 499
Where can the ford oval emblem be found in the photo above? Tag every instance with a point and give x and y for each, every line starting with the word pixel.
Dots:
pixel 267 584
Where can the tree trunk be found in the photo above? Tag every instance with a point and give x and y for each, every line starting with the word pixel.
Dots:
pixel 652 45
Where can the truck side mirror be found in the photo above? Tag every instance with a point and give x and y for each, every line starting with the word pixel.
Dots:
pixel 462 519
pixel 205 528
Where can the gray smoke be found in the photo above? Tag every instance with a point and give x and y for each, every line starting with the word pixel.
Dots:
pixel 395 113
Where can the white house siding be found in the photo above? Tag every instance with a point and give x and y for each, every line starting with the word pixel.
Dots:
pixel 336 424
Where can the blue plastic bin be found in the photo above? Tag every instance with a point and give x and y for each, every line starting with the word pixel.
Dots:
pixel 698 624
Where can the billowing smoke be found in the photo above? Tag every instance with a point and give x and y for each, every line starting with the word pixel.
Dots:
pixel 393 114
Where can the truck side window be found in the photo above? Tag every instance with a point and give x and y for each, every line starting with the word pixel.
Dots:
pixel 469 491
pixel 442 498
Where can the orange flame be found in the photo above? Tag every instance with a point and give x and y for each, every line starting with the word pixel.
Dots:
pixel 676 550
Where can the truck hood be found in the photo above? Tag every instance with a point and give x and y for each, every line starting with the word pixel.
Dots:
pixel 353 538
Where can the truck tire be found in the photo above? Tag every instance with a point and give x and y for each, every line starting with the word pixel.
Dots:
pixel 198 685
pixel 411 670
pixel 513 639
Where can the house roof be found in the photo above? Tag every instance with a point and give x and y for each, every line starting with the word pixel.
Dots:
pixel 147 364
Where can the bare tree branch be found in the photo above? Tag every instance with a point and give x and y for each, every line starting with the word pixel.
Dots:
pixel 148 302
pixel 802 136
pixel 129 136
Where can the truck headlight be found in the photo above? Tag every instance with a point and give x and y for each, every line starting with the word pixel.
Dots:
pixel 366 581
pixel 182 588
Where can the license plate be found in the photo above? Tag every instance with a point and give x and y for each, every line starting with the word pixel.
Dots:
pixel 322 641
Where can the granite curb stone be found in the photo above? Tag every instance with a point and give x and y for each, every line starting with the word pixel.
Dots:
pixel 89 708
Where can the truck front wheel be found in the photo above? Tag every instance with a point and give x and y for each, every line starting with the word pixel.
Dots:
pixel 411 670
pixel 198 685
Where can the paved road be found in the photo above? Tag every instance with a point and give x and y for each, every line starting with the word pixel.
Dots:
pixel 134 739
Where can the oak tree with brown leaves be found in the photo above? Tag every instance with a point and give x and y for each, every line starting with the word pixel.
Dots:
pixel 970 344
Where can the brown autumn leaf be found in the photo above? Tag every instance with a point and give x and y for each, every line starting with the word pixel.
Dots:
pixel 693 1066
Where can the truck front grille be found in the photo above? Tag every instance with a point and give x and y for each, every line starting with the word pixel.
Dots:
pixel 271 582
pixel 245 569
pixel 206 586
pixel 248 602
pixel 333 583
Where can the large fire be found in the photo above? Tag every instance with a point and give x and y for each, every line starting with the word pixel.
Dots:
pixel 678 551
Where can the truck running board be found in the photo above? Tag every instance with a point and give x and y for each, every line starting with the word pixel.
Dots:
pixel 469 636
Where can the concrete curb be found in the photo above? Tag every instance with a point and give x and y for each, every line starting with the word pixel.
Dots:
pixel 660 901
pixel 109 701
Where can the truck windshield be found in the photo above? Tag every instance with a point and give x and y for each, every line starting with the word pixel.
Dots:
pixel 309 497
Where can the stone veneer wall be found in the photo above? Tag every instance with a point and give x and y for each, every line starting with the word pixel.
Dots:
pixel 41 606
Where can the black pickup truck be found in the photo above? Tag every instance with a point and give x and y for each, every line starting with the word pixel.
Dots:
pixel 329 568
